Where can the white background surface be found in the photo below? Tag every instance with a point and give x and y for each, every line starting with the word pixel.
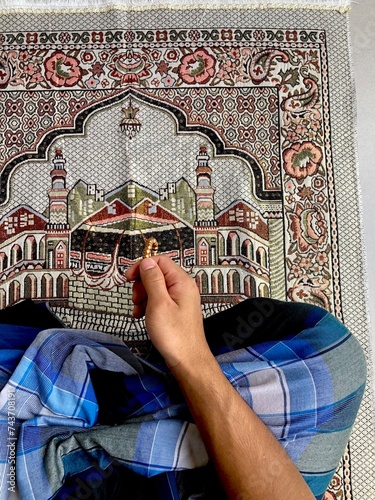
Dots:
pixel 362 27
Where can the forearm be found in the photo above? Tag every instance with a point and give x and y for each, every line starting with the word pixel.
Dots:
pixel 250 461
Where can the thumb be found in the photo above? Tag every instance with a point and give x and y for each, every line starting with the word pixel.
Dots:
pixel 153 280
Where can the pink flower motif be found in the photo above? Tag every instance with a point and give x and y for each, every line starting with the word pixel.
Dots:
pixel 46 107
pixel 168 81
pixel 97 37
pixel 36 78
pixel 306 263
pixel 291 36
pixel 5 73
pixel 246 134
pixel 104 56
pixel 24 55
pixel 30 122
pixel 172 55
pixel 129 67
pixel 214 104
pixel 97 69
pixel 296 271
pixel 194 35
pixel 31 37
pixel 230 66
pixel 302 159
pixel 30 69
pixel 308 227
pixel 291 135
pixel 64 37
pixel 183 102
pixel 155 55
pixel 62 70
pixel 198 67
pixel 289 186
pixel 234 53
pixel 230 119
pixel 161 35
pixel 227 35
pixel 246 104
pixel 259 35
pixel 129 36
pixel 321 258
pixel 87 57
pixel 14 107
pixel 14 138
pixel 92 82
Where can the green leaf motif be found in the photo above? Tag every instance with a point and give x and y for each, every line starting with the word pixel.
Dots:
pixel 289 77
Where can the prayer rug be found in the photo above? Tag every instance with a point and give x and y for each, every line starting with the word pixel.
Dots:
pixel 226 133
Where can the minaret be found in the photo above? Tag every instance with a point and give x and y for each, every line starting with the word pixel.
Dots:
pixel 205 226
pixel 57 228
pixel 204 190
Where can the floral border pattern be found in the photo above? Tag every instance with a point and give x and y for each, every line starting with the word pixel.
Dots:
pixel 48 78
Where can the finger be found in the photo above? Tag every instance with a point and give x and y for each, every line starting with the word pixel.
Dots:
pixel 153 280
pixel 132 273
pixel 139 310
pixel 139 293
pixel 176 278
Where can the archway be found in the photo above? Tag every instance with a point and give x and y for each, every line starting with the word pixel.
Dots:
pixel 47 286
pixel 202 282
pixel 30 287
pixel 233 282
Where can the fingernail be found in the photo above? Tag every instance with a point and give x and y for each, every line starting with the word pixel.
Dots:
pixel 147 264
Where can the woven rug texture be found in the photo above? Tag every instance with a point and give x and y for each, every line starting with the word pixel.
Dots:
pixel 227 135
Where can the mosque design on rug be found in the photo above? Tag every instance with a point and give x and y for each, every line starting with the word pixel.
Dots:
pixel 77 251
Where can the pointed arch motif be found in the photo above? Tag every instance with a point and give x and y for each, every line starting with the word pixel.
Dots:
pixel 3 261
pixel 15 254
pixel 261 257
pixel 247 249
pixel 30 248
pixel 62 286
pixel 264 290
pixel 3 298
pixel 217 282
pixel 233 244
pixel 30 287
pixel 201 279
pixel 221 241
pixel 233 282
pixel 14 292
pixel 250 286
pixel 183 125
pixel 42 248
pixel 47 286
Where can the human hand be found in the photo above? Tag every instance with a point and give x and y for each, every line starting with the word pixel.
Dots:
pixel 170 301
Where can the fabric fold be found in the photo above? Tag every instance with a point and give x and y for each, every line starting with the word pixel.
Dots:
pixel 294 382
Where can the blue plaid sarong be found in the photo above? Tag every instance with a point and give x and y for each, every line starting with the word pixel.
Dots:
pixel 89 416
